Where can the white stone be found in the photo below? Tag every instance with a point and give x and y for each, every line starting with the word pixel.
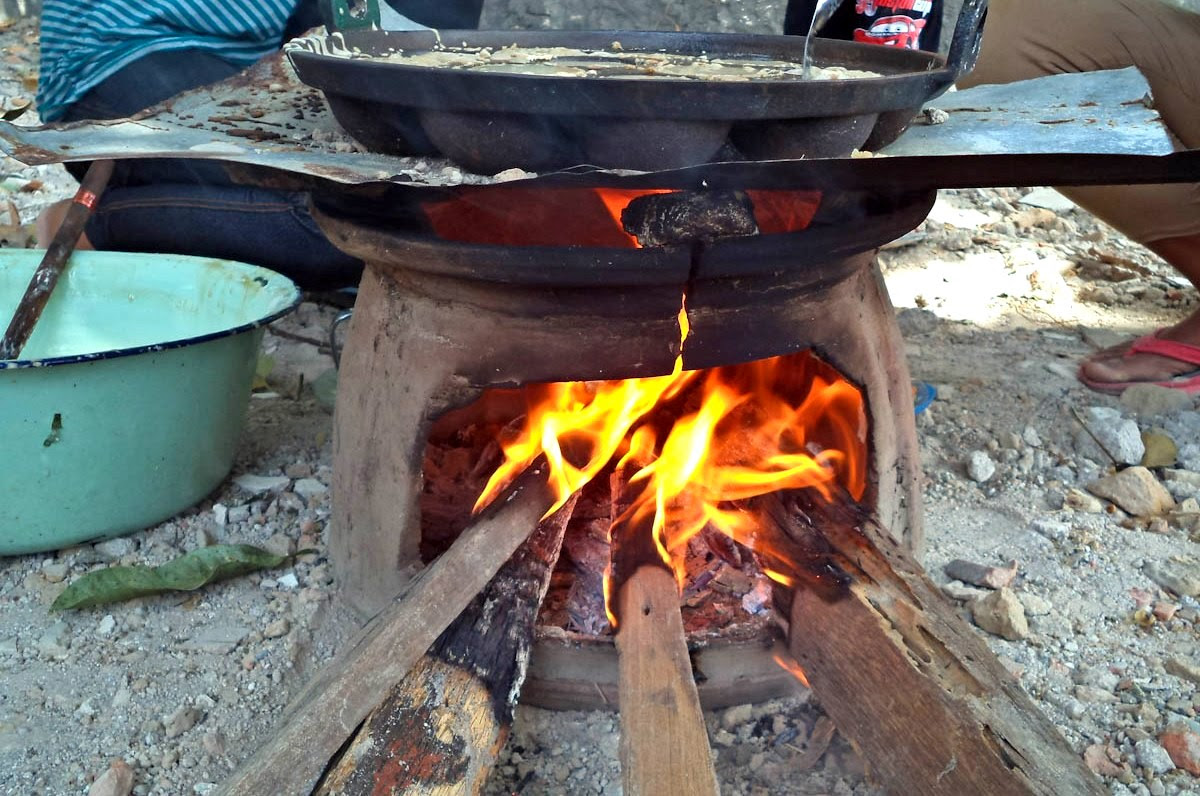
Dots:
pixel 309 487
pixel 113 549
pixel 54 643
pixel 1047 199
pixel 1001 613
pixel 218 639
pixel 1152 756
pixel 55 571
pixel 957 590
pixel 122 697
pixel 1051 529
pixel 1120 438
pixel 260 484
pixel 980 467
pixel 238 514
pixel 106 626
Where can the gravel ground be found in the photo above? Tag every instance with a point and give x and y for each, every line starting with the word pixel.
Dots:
pixel 999 299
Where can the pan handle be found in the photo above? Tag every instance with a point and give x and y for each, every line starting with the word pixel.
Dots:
pixel 968 36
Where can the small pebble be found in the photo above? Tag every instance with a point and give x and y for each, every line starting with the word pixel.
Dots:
pixel 980 467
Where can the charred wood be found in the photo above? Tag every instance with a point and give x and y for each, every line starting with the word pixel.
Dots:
pixel 442 727
pixel 685 217
pixel 330 708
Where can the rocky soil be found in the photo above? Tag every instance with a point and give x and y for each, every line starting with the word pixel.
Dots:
pixel 1001 292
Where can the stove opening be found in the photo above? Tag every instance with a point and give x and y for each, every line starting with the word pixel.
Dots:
pixel 618 218
pixel 679 469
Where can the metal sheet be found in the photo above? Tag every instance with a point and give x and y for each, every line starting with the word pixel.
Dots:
pixel 264 116
pixel 1067 129
pixel 1106 113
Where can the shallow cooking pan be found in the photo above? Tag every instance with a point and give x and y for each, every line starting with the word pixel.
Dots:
pixel 488 121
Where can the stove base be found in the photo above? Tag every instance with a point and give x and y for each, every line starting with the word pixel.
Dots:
pixel 568 673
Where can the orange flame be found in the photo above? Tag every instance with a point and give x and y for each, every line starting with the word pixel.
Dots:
pixel 741 432
pixel 616 199
pixel 789 664
pixel 779 577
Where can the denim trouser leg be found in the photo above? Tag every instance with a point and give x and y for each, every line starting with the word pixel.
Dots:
pixel 265 227
pixel 187 206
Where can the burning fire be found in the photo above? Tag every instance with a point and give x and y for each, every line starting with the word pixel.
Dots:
pixel 701 442
pixel 568 216
pixel 790 665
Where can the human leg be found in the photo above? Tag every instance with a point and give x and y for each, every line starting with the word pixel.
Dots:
pixel 1030 38
pixel 265 227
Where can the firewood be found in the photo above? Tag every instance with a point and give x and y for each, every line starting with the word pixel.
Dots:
pixel 334 703
pixel 906 679
pixel 442 727
pixel 664 747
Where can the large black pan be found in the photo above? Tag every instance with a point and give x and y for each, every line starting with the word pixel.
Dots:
pixel 490 121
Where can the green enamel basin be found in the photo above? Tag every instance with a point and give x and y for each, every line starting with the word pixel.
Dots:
pixel 130 396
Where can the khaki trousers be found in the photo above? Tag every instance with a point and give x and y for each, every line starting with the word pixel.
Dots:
pixel 1024 39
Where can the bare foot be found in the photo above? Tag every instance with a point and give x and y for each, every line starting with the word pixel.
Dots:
pixel 50 220
pixel 1118 365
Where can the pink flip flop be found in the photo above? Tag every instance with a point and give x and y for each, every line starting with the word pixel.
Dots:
pixel 1154 344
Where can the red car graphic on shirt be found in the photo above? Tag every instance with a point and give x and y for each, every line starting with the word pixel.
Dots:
pixel 869 7
pixel 897 31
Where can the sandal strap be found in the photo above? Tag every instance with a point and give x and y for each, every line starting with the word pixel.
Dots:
pixel 1153 344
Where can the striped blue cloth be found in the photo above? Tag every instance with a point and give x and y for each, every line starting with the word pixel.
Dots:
pixel 85 41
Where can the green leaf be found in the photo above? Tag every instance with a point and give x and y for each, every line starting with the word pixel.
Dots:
pixel 110 585
pixel 262 369
pixel 186 573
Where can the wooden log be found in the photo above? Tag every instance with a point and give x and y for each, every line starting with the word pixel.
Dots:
pixel 443 726
pixel 333 704
pixel 907 679
pixel 664 747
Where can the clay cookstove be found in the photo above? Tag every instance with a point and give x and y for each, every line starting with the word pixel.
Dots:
pixel 489 320
pixel 470 297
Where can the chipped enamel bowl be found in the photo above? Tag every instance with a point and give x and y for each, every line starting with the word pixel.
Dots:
pixel 130 396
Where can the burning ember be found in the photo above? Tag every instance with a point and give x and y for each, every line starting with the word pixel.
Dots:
pixel 584 216
pixel 700 446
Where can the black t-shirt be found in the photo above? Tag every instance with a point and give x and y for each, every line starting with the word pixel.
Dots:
pixel 913 24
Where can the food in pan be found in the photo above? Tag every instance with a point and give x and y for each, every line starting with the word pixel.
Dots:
pixel 614 62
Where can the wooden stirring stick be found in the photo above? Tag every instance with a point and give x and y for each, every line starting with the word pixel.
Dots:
pixel 42 283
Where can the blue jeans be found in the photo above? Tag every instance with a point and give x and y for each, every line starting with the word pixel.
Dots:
pixel 183 206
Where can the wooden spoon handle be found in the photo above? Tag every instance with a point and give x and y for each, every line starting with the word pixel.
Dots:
pixel 42 283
